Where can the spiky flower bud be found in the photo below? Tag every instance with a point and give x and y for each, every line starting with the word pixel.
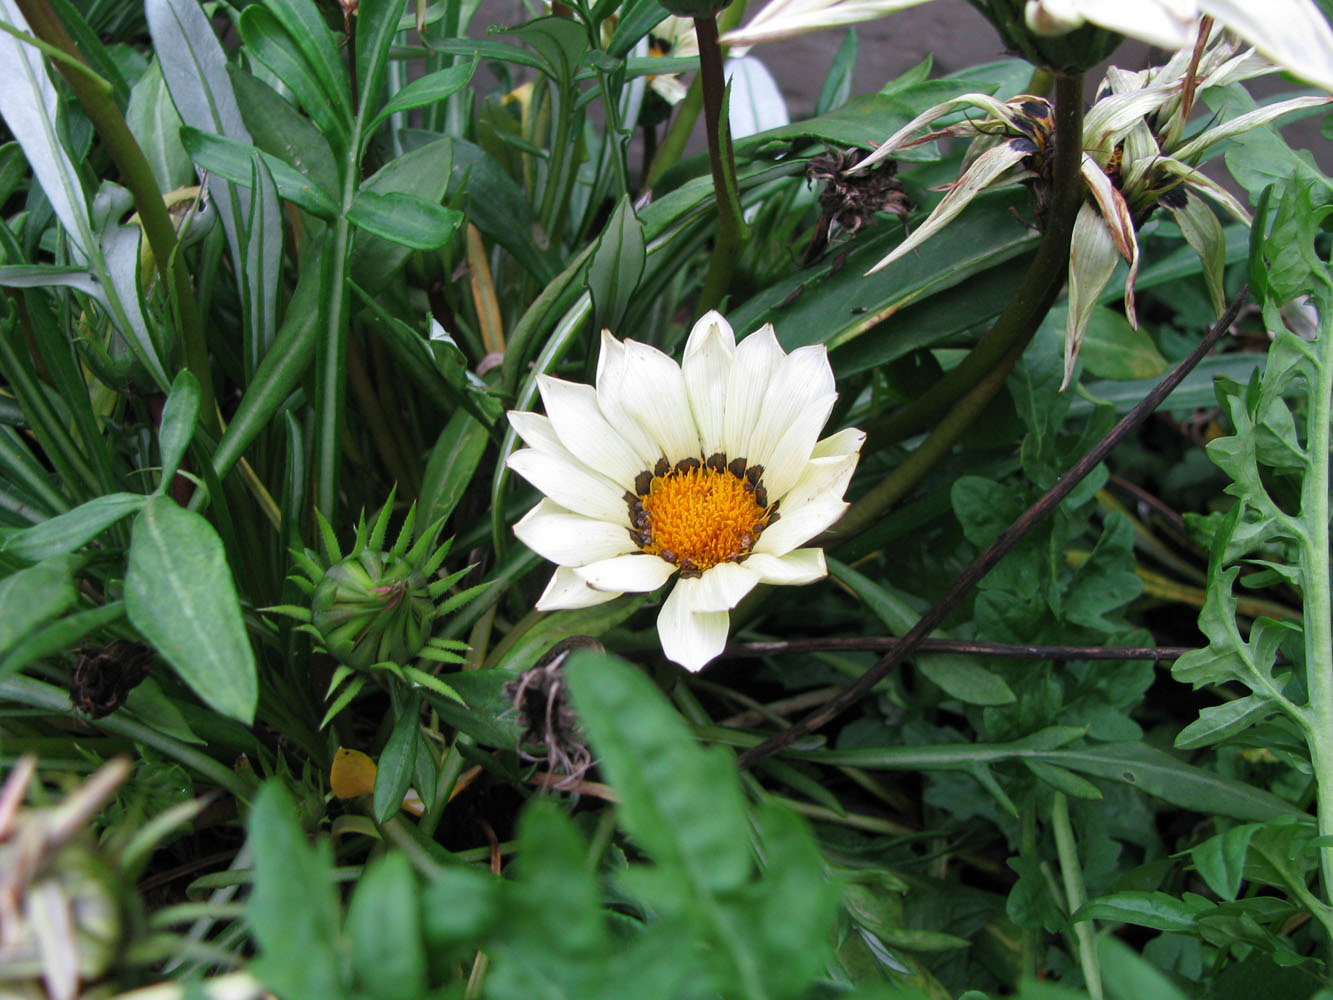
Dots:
pixel 375 608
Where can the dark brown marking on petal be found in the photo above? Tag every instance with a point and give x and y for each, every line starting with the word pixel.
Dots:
pixel 754 473
pixel 717 461
pixel 761 496
pixel 688 464
pixel 737 468
pixel 669 556
pixel 630 498
pixel 642 482
pixel 662 467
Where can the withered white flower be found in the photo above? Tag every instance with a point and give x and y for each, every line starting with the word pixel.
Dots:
pixel 1137 158
pixel 711 469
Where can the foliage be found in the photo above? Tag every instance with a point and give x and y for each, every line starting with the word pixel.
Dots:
pixel 254 290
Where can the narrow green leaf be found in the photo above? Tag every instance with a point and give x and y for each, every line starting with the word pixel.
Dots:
pixel 231 159
pixel 72 529
pixel 616 267
pixel 1158 910
pixel 58 636
pixel 179 594
pixel 35 595
pixel 397 761
pixel 429 89
pixel 1064 781
pixel 403 218
pixel 452 462
pixel 180 414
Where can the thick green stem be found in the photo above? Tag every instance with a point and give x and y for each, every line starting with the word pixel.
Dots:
pixel 1315 557
pixel 967 390
pixel 100 107
pixel 1071 874
pixel 730 225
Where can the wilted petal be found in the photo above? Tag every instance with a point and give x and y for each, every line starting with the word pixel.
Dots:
pixel 568 539
pixel 1119 223
pixel 689 637
pixel 1204 234
pixel 988 167
pixel 1092 260
pixel 567 591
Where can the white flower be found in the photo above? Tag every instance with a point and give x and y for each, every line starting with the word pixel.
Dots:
pixel 1291 33
pixel 711 469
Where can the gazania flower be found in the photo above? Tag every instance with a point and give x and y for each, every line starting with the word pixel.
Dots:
pixel 711 470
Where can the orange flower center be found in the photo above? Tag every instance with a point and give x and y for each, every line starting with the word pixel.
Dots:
pixel 697 515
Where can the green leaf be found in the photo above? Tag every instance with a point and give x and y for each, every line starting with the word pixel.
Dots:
pixel 397 761
pixel 487 715
pixel 1219 722
pixel 35 595
pixel 1063 780
pixel 1158 910
pixel 837 85
pixel 267 41
pixel 292 909
pixel 180 596
pixel 377 23
pixel 280 129
pixel 616 267
pixel 153 120
pixel 231 159
pixel 1114 349
pixel 560 905
pixel 1220 860
pixel 636 19
pixel 72 529
pixel 529 647
pixel 384 931
pixel 559 42
pixel 180 414
pixel 650 757
pixel 308 33
pixel 405 219
pixel 428 89
pixel 57 636
pixel 497 206
pixel 1162 775
pixel 453 460
pixel 1130 977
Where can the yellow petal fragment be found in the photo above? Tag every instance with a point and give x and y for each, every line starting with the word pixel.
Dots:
pixel 352 774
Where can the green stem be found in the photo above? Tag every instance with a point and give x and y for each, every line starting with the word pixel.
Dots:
pixel 966 390
pixel 731 231
pixel 1318 598
pixel 1071 874
pixel 100 107
pixel 36 694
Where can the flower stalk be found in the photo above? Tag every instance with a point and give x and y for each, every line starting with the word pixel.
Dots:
pixel 731 229
pixel 965 391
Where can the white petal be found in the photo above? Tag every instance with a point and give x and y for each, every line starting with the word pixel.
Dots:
pixel 822 479
pixel 1168 24
pixel 566 592
pixel 845 442
pixel 651 389
pixel 536 431
pixel 571 484
pixel 722 587
pixel 796 567
pixel 1292 33
pixel 583 429
pixel 568 539
pixel 708 359
pixel 635 573
pixel 796 407
pixel 690 638
pixel 758 359
pixel 610 373
pixel 799 526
